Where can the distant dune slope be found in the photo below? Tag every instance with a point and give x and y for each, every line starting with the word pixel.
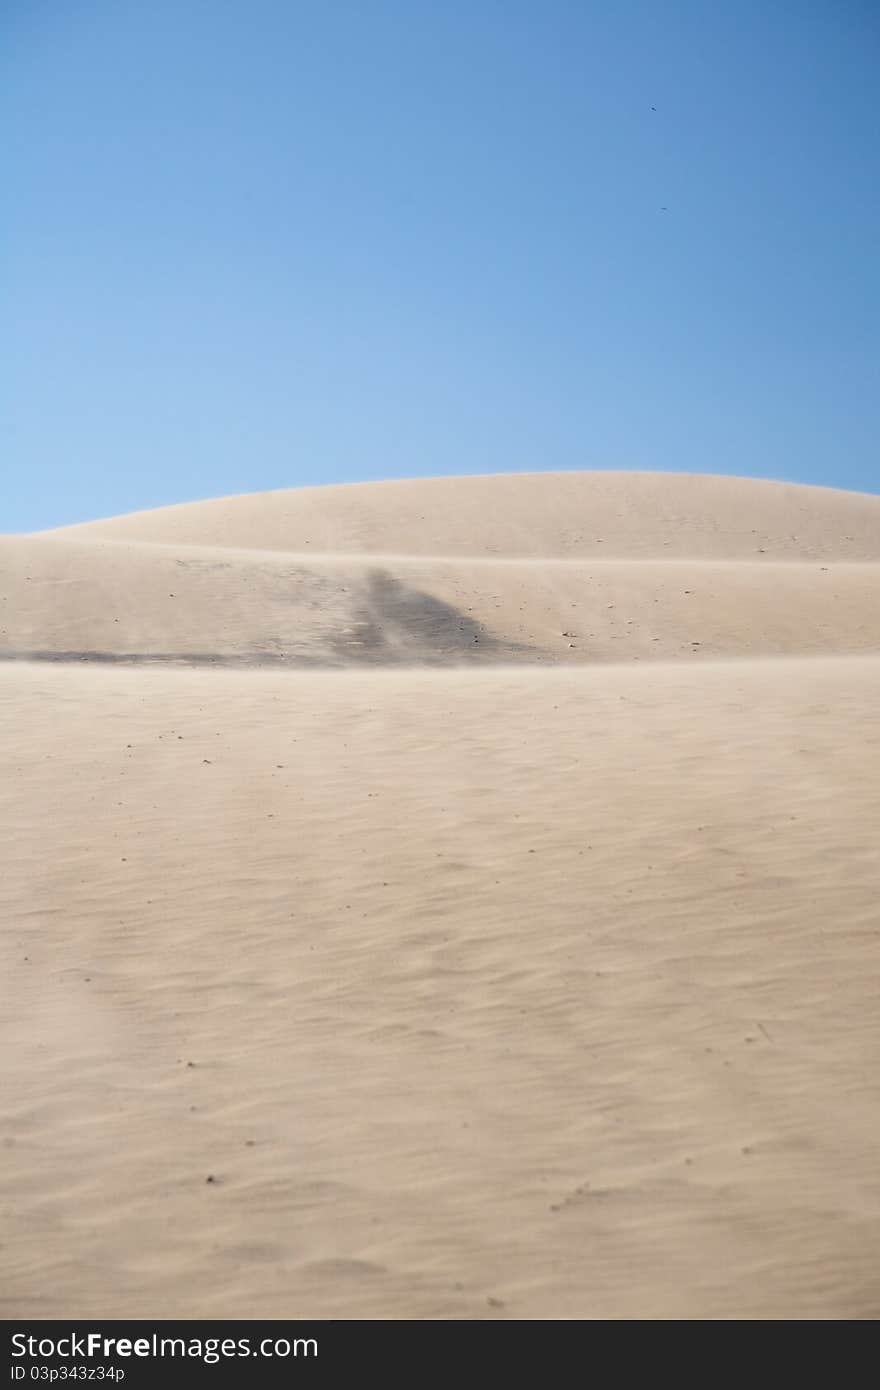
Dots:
pixel 163 602
pixel 551 568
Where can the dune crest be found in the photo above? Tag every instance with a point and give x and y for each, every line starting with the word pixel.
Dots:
pixel 587 515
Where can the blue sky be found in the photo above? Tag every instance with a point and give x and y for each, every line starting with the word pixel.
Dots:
pixel 261 243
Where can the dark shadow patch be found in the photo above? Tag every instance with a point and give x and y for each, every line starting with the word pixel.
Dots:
pixel 244 658
pixel 397 625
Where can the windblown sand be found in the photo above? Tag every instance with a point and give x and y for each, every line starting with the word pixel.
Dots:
pixel 369 951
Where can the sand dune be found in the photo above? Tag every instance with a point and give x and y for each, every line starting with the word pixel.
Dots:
pixel 474 570
pixel 541 986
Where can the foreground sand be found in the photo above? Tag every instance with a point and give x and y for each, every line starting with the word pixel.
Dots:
pixel 498 993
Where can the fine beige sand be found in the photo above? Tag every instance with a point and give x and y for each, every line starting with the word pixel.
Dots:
pixel 410 912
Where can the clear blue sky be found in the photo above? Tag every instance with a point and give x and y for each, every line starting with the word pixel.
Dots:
pixel 259 243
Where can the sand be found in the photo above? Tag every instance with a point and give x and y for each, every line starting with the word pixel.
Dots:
pixel 386 973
